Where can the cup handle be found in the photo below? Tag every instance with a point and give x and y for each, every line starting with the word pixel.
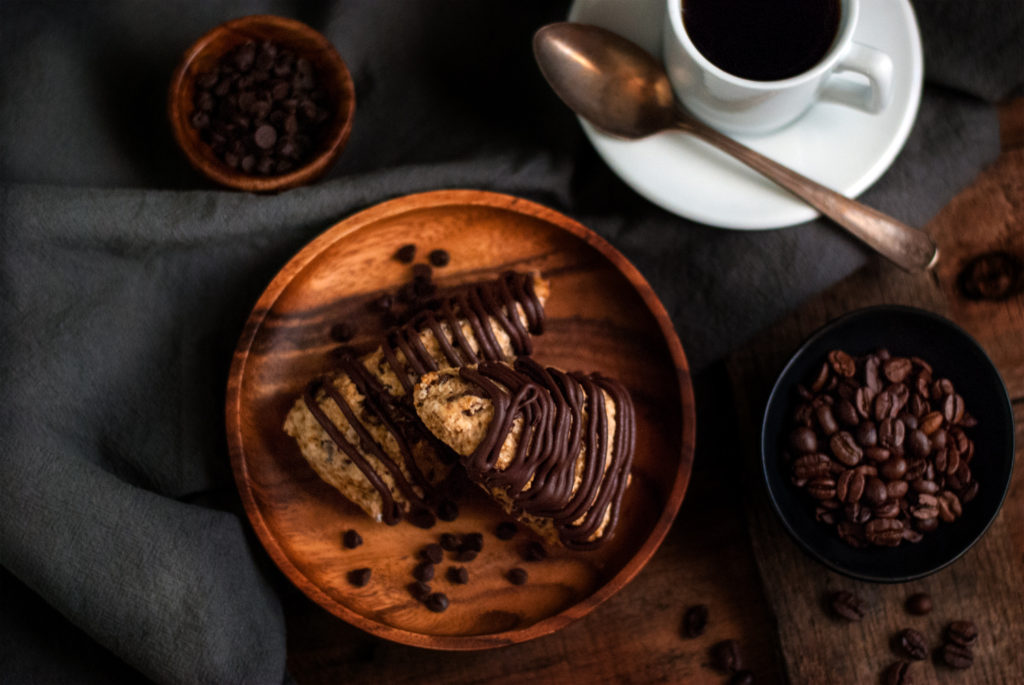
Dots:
pixel 875 65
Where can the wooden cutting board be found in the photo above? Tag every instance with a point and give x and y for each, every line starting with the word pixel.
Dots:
pixel 987 584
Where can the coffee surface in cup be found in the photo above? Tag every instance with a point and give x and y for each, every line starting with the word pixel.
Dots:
pixel 762 40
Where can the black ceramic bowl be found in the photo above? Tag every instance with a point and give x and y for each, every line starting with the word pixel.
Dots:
pixel 953 354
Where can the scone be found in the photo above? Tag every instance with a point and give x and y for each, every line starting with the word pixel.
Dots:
pixel 357 428
pixel 553 448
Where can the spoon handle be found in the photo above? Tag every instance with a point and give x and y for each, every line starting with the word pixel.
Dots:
pixel 908 247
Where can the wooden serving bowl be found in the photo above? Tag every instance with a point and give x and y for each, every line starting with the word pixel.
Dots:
pixel 333 77
pixel 602 316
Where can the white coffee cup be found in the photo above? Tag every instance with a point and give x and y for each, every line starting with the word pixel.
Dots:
pixel 739 105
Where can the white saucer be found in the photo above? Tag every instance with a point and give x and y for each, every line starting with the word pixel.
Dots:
pixel 841 147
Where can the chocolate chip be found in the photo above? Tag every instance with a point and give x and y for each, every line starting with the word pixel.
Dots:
pixel 449 541
pixel 359 577
pixel 352 539
pixel 695 620
pixel 405 254
pixel 418 589
pixel 421 272
pixel 432 553
pixel 726 656
pixel 466 555
pixel 421 518
pixel 448 510
pixel 439 257
pixel 506 530
pixel 343 332
pixel 458 575
pixel 436 602
pixel 517 576
pixel 472 541
pixel 423 571
pixel 534 551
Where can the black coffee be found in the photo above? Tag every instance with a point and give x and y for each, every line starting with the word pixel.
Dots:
pixel 762 40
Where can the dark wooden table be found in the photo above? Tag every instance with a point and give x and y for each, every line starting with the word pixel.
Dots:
pixel 728 551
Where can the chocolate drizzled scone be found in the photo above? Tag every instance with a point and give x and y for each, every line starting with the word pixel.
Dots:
pixel 357 428
pixel 553 448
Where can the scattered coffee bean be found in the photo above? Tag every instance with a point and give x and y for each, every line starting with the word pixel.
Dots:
pixel 421 518
pixel 847 605
pixel 449 541
pixel 359 577
pixel 517 576
pixel 880 449
pixel 423 571
pixel 352 539
pixel 912 643
pixel 448 510
pixel 405 254
pixel 458 575
pixel 695 620
pixel 506 530
pixel 957 656
pixel 432 553
pixel 742 678
pixel 259 109
pixel 439 257
pixel 343 332
pixel 534 551
pixel 419 590
pixel 726 656
pixel 898 673
pixel 963 633
pixel 436 602
pixel 919 603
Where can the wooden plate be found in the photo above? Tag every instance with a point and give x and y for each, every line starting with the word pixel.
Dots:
pixel 602 316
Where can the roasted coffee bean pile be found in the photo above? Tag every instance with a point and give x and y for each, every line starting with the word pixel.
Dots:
pixel 260 109
pixel 879 444
pixel 911 645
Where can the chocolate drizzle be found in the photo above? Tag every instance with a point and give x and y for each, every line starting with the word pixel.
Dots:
pixel 551 404
pixel 477 304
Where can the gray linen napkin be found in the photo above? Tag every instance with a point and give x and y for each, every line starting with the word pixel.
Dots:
pixel 125 280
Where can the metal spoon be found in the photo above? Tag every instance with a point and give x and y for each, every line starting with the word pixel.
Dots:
pixel 622 90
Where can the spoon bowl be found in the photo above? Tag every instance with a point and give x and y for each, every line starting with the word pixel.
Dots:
pixel 621 89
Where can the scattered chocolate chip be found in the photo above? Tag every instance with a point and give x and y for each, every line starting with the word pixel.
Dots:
pixel 695 620
pixel 423 571
pixel 919 604
pixel 516 576
pixel 352 539
pixel 432 553
pixel 472 541
pixel 421 272
pixel 726 656
pixel 421 518
pixel 448 510
pixel 449 541
pixel 418 589
pixel 458 575
pixel 506 530
pixel 406 253
pixel 343 332
pixel 466 555
pixel 847 605
pixel 534 551
pixel 359 577
pixel 439 257
pixel 436 602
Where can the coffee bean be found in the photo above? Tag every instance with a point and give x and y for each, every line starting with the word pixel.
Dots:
pixel 810 466
pixel 953 409
pixel 726 656
pixel 821 379
pixel 847 605
pixel 826 420
pixel 875 492
pixel 821 488
pixel 436 602
pixel 458 575
pixel 439 257
pixel 742 678
pixel 850 486
pixel 919 603
pixel 405 254
pixel 963 633
pixel 506 530
pixel 803 440
pixel 845 448
pixel 352 539
pixel 432 553
pixel 885 532
pixel 891 433
pixel 359 577
pixel 949 506
pixel 695 620
pixel 912 644
pixel 866 434
pixel 517 576
pixel 897 489
pixel 449 541
pixel 534 551
pixel 894 468
pixel 418 589
pixel 842 363
pixel 877 454
pixel 898 673
pixel 957 656
pixel 847 414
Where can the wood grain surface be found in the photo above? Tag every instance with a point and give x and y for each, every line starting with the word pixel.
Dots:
pixel 595 296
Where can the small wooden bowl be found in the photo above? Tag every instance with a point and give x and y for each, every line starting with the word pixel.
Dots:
pixel 205 53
